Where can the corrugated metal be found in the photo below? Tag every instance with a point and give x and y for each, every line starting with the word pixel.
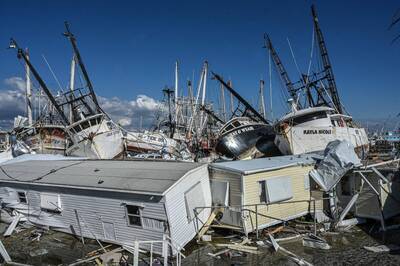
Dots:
pixel 183 230
pixel 281 211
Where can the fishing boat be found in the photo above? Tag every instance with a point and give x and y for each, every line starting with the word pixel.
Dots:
pixel 247 134
pixel 311 129
pixel 91 132
pixel 241 137
pixel 45 138
pixel 321 118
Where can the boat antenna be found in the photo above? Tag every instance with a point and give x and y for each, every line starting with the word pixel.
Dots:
pixel 326 62
pixel 72 39
pixel 21 54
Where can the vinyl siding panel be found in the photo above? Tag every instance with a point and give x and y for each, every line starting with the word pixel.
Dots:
pixel 278 210
pixel 182 230
pixel 104 207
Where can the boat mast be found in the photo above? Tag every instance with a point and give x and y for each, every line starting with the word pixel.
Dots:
pixel 223 101
pixel 72 39
pixel 28 90
pixel 262 103
pixel 326 63
pixel 21 53
pixel 176 92
pixel 281 69
pixel 167 92
pixel 240 98
pixel 72 87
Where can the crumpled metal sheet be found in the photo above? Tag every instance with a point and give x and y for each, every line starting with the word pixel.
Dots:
pixel 339 158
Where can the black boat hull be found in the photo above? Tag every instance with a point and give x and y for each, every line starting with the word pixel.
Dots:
pixel 245 140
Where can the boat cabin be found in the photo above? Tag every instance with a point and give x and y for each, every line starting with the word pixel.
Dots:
pixel 317 116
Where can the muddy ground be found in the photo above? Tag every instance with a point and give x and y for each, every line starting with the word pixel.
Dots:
pixel 54 248
pixel 347 249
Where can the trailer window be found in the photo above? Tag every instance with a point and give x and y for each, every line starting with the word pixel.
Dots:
pixel 275 189
pixel 134 215
pixel 262 191
pixel 22 197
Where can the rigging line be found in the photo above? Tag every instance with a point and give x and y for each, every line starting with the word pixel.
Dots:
pixel 294 58
pixel 334 106
pixel 52 72
pixel 312 52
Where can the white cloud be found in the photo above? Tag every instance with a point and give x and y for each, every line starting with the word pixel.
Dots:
pixel 12 100
pixel 125 121
pixel 129 113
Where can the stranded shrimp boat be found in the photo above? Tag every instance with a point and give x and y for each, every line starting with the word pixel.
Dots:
pixel 45 138
pixel 321 118
pixel 247 135
pixel 311 129
pixel 91 133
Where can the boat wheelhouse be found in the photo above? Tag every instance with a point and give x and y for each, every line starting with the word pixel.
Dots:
pixel 311 129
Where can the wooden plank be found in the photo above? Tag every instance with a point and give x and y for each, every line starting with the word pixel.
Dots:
pixel 207 224
pixel 12 226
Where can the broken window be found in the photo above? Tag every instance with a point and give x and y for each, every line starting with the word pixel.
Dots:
pixel 275 189
pixel 134 215
pixel 263 191
pixel 22 197
pixel 50 202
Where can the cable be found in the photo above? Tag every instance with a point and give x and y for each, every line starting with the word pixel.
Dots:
pixel 39 177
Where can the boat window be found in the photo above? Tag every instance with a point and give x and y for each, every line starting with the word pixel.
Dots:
pixel 98 120
pixel 308 117
pixel 134 215
pixel 85 124
pixel 93 121
pixel 228 128
pixel 236 124
pixel 77 129
pixel 22 197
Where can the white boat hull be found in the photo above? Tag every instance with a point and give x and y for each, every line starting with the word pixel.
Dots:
pixel 306 139
pixel 104 145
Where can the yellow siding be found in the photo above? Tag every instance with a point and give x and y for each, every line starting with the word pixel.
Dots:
pixel 277 210
pixel 235 186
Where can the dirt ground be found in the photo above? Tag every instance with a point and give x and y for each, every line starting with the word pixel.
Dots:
pixel 56 248
pixel 347 249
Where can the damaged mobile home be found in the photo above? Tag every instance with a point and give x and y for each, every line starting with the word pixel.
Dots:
pixel 263 192
pixel 112 201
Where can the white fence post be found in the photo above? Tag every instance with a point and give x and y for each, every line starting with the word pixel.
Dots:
pixel 136 254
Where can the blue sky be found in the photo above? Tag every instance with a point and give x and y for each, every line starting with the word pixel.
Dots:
pixel 130 47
